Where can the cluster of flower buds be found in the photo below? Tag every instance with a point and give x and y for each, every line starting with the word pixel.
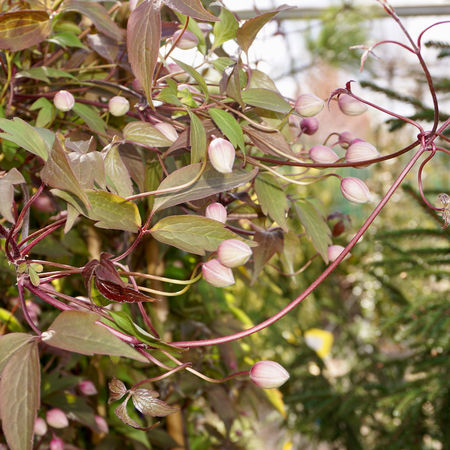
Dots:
pixel 355 190
pixel 188 40
pixel 346 138
pixel 309 105
pixel 350 106
pixel 322 155
pixel 64 101
pixel 167 130
pixel 216 211
pixel 360 150
pixel 118 106
pixel 221 154
pixel 268 374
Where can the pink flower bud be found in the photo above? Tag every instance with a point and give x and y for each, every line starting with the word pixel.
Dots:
pixel 167 130
pixel 216 211
pixel 205 27
pixel 268 374
pixel 334 251
pixel 57 418
pixel 136 85
pixel 322 154
pixel 221 154
pixel 188 40
pixel 40 426
pixel 101 424
pixel 216 274
pixel 87 387
pixel 350 106
pixel 132 4
pixel 118 106
pixel 308 105
pixel 64 101
pixel 233 253
pixel 309 125
pixel 361 151
pixel 354 190
pixel 346 139
pixel 56 444
pixel 190 88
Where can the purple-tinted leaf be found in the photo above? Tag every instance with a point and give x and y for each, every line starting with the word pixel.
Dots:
pixel 222 405
pixel 20 396
pixel 22 29
pixel 81 147
pixel 76 331
pixel 117 172
pixel 10 344
pixel 117 293
pixel 122 414
pixel 269 242
pixel 269 142
pixel 99 16
pixel 143 41
pixel 105 46
pixel 146 134
pixel 7 192
pixel 116 390
pixel 146 402
pixel 233 83
pixel 211 182
pixel 191 8
pixel 194 234
pixel 88 168
pixel 266 99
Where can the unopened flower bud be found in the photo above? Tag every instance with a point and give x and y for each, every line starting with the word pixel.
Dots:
pixel 136 85
pixel 167 130
pixel 188 40
pixel 132 4
pixel 101 424
pixel 64 101
pixel 40 426
pixel 322 154
pixel 233 253
pixel 216 274
pixel 56 444
pixel 355 190
pixel 268 374
pixel 57 418
pixel 190 88
pixel 350 106
pixel 346 138
pixel 361 150
pixel 118 106
pixel 205 28
pixel 308 105
pixel 309 125
pixel 334 251
pixel 216 211
pixel 87 387
pixel 221 154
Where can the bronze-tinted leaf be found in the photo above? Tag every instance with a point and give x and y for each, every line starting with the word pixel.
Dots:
pixel 118 174
pixel 22 29
pixel 7 192
pixel 146 402
pixel 117 293
pixel 191 8
pixel 88 168
pixel 146 134
pixel 269 242
pixel 10 344
pixel 122 414
pixel 116 390
pixel 269 142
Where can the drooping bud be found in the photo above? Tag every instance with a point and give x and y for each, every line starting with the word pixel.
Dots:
pixel 221 154
pixel 322 154
pixel 216 211
pixel 167 130
pixel 87 387
pixel 136 85
pixel 57 418
pixel 56 444
pixel 268 374
pixel 361 150
pixel 309 125
pixel 355 190
pixel 118 106
pixel 188 40
pixel 101 424
pixel 350 106
pixel 64 101
pixel 334 251
pixel 205 28
pixel 216 274
pixel 233 253
pixel 308 105
pixel 346 139
pixel 40 426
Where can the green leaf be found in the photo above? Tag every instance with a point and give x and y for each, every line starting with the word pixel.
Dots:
pixel 9 345
pixel 221 63
pixel 191 8
pixel 291 248
pixel 46 111
pixel 146 134
pixel 20 387
pixel 67 39
pixel 229 127
pixel 99 16
pixel 315 226
pixel 225 30
pixel 25 136
pixel 76 331
pixel 211 182
pixel 197 138
pixel 117 172
pixel 143 42
pixel 43 74
pixel 194 234
pixel 261 80
pixel 22 29
pixel 269 242
pixel 153 176
pixel 109 210
pixel 91 117
pixel 264 98
pixel 7 183
pixel 196 76
pixel 272 199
